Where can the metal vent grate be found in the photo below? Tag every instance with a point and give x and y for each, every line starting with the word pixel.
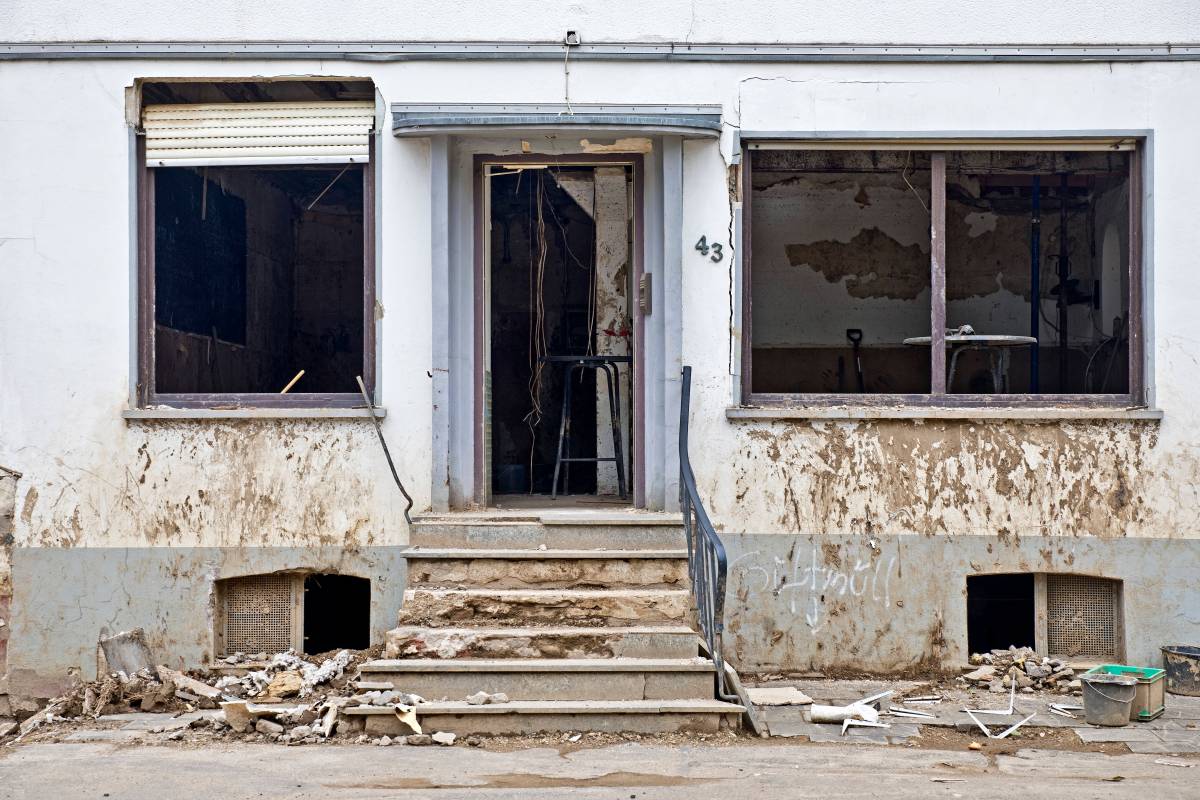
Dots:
pixel 258 614
pixel 1081 616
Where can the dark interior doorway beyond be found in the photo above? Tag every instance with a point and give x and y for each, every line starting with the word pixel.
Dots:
pixel 1000 612
pixel 337 613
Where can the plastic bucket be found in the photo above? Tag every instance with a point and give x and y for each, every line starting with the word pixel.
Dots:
pixel 1183 669
pixel 1107 699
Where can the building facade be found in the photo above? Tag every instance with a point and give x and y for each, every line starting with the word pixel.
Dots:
pixel 934 292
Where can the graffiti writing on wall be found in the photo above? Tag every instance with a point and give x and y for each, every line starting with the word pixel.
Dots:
pixel 810 584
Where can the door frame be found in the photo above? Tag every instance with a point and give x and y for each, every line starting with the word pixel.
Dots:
pixel 480 246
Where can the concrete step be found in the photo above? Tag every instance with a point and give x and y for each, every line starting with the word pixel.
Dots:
pixel 529 534
pixel 523 717
pixel 618 607
pixel 546 569
pixel 642 641
pixel 547 679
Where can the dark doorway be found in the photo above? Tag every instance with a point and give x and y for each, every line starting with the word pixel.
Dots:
pixel 1000 612
pixel 337 613
pixel 559 258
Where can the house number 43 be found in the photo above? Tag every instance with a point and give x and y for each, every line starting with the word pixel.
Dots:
pixel 714 251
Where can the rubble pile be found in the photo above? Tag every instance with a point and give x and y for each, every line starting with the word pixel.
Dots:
pixel 280 698
pixel 998 670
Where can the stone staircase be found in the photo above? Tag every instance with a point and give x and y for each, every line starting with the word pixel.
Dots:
pixel 581 618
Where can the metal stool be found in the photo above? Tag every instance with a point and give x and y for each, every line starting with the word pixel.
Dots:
pixel 607 365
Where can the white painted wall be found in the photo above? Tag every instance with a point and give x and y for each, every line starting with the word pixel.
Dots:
pixel 66 293
pixel 910 22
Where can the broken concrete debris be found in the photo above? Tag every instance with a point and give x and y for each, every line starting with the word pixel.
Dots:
pixel 483 698
pixel 1021 667
pixel 283 698
pixel 127 652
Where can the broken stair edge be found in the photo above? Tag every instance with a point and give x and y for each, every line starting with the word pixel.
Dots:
pixel 457 707
pixel 619 664
pixel 418 552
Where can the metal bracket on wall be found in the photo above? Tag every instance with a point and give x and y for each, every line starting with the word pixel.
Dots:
pixel 645 294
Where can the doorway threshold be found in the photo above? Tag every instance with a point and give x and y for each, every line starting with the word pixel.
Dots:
pixel 565 510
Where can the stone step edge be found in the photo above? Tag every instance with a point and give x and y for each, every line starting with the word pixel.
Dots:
pixel 525 665
pixel 457 707
pixel 504 594
pixel 553 520
pixel 417 552
pixel 549 630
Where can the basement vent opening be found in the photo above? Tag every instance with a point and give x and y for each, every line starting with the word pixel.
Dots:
pixel 1000 612
pixel 292 611
pixel 258 614
pixel 337 613
pixel 1083 616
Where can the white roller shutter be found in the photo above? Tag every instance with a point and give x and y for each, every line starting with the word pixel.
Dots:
pixel 214 134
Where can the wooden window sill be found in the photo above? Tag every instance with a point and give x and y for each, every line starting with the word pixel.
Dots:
pixel 169 413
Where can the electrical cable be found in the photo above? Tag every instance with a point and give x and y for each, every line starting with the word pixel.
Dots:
pixel 904 177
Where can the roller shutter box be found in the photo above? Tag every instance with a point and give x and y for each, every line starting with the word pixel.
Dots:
pixel 213 134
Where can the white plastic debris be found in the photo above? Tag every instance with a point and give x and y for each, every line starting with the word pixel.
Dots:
pixel 820 713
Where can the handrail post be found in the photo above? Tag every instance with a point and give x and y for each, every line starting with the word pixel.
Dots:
pixel 707 564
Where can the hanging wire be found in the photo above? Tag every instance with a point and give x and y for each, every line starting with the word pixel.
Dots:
pixel 904 177
pixel 539 345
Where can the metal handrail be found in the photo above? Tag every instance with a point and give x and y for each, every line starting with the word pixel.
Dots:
pixel 707 565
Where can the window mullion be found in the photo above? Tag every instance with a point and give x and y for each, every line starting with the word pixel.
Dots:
pixel 937 266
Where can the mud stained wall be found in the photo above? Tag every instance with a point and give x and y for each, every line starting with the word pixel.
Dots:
pixel 898 603
pixel 997 479
pixel 66 598
pixel 230 483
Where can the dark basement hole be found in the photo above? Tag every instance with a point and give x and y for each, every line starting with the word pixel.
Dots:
pixel 999 612
pixel 337 613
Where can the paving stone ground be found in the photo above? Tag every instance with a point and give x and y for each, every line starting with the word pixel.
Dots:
pixel 1176 731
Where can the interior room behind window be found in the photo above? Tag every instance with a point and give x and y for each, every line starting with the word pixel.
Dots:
pixel 1037 271
pixel 258 275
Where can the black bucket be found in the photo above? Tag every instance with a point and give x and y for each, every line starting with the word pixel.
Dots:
pixel 1182 664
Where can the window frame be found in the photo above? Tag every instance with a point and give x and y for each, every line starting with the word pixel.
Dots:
pixel 938 397
pixel 148 397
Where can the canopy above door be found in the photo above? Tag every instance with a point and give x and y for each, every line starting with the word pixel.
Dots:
pixel 427 119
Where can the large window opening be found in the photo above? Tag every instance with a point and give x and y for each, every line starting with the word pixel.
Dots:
pixel 560 330
pixel 841 271
pixel 258 276
pixel 256 224
pixel 984 274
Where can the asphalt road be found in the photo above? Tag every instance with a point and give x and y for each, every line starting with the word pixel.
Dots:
pixel 643 772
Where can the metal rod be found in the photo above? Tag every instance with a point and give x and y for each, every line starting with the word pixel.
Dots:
pixel 937 255
pixel 387 453
pixel 292 382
